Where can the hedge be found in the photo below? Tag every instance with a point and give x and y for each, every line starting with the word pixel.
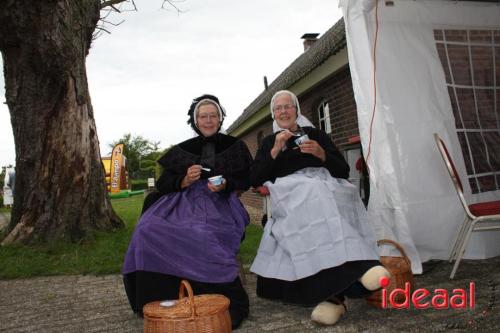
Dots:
pixel 139 184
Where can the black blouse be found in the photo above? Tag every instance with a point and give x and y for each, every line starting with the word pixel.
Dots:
pixel 287 162
pixel 223 154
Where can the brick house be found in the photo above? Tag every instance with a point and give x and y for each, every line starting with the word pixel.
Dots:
pixel 321 79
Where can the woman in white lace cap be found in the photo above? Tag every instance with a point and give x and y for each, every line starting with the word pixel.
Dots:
pixel 318 246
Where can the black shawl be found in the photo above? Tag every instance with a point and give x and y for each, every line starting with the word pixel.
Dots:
pixel 223 154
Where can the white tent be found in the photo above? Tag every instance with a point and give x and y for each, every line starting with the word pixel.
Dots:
pixel 412 199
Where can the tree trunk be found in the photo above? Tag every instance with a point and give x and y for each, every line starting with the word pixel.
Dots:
pixel 60 186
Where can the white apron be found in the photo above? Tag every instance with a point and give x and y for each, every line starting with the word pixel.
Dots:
pixel 317 222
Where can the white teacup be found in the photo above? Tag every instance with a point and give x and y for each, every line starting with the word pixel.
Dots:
pixel 300 140
pixel 216 180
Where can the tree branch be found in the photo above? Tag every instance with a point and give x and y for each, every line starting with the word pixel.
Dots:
pixel 108 22
pixel 109 3
pixel 116 9
pixel 99 31
pixel 115 6
pixel 102 29
pixel 172 4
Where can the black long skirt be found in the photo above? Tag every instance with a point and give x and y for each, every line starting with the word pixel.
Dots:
pixel 144 287
pixel 338 282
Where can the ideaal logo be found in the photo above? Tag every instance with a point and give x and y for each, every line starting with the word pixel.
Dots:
pixel 422 298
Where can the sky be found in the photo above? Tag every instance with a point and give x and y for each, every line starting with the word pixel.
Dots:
pixel 143 76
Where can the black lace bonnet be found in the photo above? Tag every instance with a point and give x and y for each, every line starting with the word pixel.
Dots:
pixel 194 108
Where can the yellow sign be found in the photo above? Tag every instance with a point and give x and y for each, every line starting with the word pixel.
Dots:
pixel 116 167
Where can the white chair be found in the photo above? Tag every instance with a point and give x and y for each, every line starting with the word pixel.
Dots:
pixel 481 216
pixel 266 199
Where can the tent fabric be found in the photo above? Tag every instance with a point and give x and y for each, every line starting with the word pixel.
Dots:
pixel 412 199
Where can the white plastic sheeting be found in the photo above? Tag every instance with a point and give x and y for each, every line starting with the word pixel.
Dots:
pixel 412 199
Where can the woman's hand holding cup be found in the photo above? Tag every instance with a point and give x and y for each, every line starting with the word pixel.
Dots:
pixel 312 147
pixel 280 142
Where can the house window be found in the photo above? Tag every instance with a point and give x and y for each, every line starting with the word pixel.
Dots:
pixel 471 62
pixel 324 117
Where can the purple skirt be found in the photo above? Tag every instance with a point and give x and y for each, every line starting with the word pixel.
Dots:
pixel 193 234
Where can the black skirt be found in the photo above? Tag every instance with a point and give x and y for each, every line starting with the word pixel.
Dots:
pixel 332 282
pixel 144 287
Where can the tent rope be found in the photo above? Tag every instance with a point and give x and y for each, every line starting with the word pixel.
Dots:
pixel 374 86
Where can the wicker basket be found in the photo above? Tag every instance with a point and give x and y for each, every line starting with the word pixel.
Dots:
pixel 400 269
pixel 192 314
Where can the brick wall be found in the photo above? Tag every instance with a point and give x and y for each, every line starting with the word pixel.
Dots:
pixel 251 199
pixel 337 91
pixel 261 130
pixel 251 139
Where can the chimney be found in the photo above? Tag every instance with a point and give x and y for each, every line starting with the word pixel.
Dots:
pixel 309 40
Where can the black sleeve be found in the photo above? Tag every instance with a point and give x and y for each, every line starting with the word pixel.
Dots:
pixel 173 171
pixel 335 162
pixel 262 168
pixel 238 179
pixel 169 182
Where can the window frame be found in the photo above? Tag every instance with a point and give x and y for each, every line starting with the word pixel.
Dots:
pixel 469 146
pixel 324 121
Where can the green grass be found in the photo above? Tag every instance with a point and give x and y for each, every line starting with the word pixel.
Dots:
pixel 102 255
pixel 4 209
pixel 249 247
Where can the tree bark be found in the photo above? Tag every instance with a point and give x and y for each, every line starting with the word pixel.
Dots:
pixel 60 186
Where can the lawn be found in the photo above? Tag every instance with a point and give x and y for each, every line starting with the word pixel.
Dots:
pixel 101 255
pixel 4 209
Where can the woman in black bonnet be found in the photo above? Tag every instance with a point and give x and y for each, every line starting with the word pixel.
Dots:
pixel 191 229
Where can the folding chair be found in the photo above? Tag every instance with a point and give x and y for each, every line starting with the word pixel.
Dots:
pixel 481 216
pixel 266 198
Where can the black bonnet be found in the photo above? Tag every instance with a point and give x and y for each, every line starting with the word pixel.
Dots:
pixel 195 102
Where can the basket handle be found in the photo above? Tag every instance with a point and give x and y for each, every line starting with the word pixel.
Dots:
pixel 397 246
pixel 185 286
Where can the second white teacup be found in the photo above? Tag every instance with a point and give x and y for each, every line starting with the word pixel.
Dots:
pixel 216 180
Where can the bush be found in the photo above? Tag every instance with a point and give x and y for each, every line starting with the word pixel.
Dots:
pixel 139 184
pixel 158 171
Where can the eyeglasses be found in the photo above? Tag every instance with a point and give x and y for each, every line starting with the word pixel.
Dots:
pixel 207 116
pixel 285 107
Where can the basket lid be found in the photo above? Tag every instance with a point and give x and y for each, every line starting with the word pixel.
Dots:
pixel 188 307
